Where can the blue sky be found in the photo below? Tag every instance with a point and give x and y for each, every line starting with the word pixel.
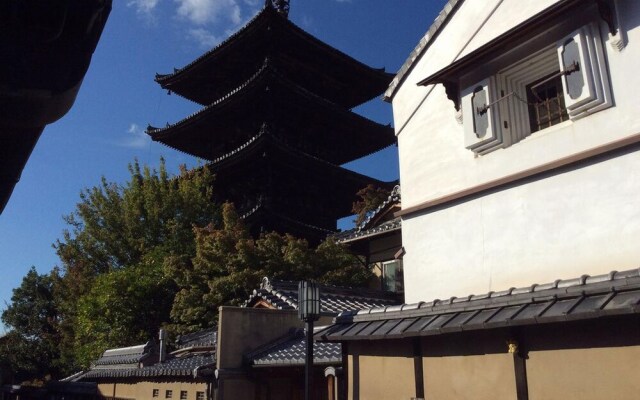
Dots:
pixel 104 131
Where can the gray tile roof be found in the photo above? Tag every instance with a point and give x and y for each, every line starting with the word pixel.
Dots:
pixel 204 338
pixel 367 228
pixel 290 350
pixel 195 351
pixel 356 234
pixel 587 297
pixel 125 356
pixel 185 366
pixel 334 300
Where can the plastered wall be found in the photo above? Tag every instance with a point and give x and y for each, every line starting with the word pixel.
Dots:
pixel 578 222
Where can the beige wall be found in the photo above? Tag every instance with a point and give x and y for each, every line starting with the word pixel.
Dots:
pixel 582 360
pixel 144 390
pixel 477 377
pixel 388 377
pixel 244 329
pixel 585 374
pixel 381 370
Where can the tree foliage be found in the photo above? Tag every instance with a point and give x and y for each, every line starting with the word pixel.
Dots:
pixel 30 347
pixel 153 252
pixel 229 264
pixel 370 198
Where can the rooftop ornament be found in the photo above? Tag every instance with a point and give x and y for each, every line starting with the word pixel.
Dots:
pixel 282 6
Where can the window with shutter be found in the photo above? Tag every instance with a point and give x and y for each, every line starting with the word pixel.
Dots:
pixel 480 132
pixel 586 90
pixel 563 81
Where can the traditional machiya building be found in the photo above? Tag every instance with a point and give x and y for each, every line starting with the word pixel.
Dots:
pixel 145 372
pixel 261 351
pixel 276 124
pixel 378 239
pixel 519 145
pixel 46 49
pixel 255 352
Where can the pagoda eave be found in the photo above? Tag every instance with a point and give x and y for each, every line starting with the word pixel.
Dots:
pixel 270 35
pixel 339 135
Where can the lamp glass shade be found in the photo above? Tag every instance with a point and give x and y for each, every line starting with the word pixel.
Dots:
pixel 308 301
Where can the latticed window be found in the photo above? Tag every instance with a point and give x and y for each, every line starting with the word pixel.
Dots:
pixel 565 80
pixel 199 395
pixel 183 395
pixel 546 103
pixel 156 393
pixel 168 394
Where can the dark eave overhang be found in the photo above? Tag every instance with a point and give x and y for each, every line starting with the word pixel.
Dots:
pixel 343 67
pixel 46 48
pixel 354 136
pixel 512 38
pixel 583 298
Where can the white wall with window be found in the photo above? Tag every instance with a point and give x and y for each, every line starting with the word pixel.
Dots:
pixel 492 180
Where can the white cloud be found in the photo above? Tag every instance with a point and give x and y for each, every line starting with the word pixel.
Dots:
pixel 144 7
pixel 204 37
pixel 201 12
pixel 137 138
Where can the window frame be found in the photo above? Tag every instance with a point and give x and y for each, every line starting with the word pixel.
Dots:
pixel 507 108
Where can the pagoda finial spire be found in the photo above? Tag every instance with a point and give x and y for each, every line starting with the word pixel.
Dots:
pixel 282 6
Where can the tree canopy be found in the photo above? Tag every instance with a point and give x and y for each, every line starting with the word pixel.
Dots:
pixel 152 252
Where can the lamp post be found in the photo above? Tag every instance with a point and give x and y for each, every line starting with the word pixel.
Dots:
pixel 308 311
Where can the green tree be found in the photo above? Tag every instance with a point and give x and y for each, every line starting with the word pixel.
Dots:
pixel 370 198
pixel 30 346
pixel 113 289
pixel 229 264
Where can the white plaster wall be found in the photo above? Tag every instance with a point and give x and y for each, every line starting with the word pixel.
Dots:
pixel 433 159
pixel 585 221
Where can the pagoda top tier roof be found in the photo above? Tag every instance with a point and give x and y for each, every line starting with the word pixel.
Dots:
pixel 304 120
pixel 322 69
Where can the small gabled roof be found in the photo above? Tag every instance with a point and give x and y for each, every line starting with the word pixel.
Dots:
pixel 376 223
pixel 125 356
pixel 325 70
pixel 206 338
pixel 283 295
pixel 586 297
pixel 290 351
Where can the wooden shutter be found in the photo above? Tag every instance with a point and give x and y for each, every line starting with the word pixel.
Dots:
pixel 480 132
pixel 587 89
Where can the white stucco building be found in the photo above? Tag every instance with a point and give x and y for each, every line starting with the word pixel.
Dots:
pixel 519 140
pixel 518 129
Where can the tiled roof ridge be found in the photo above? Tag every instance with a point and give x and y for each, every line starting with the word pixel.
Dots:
pixel 393 197
pixel 350 235
pixel 558 289
pixel 177 71
pixel 187 340
pixel 128 350
pixel 264 12
pixel 422 46
pixel 152 130
pixel 274 285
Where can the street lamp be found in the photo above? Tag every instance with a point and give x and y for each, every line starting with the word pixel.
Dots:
pixel 308 311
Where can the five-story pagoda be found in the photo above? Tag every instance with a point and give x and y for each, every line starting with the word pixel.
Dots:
pixel 277 124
